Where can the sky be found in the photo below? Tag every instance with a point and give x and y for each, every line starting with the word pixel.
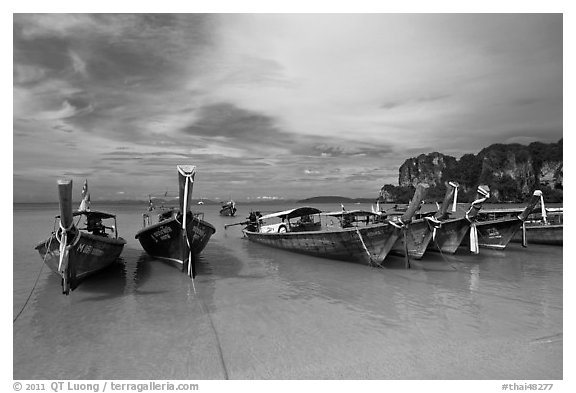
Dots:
pixel 271 105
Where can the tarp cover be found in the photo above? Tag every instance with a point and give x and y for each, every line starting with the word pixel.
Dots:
pixel 92 214
pixel 351 213
pixel 293 213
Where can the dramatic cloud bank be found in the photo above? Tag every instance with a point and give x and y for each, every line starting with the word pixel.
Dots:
pixel 289 105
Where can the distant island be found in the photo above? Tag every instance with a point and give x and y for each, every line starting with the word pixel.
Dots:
pixel 335 199
pixel 512 171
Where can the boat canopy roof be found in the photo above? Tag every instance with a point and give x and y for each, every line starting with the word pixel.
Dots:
pixel 351 213
pixel 519 210
pixel 503 210
pixel 293 213
pixel 555 209
pixel 91 214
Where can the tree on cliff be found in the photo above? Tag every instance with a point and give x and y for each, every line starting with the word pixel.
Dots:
pixel 512 171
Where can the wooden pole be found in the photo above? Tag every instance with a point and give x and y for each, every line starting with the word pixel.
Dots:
pixel 524 237
pixel 406 253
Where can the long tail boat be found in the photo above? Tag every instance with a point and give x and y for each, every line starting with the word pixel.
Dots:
pixel 178 235
pixel 419 233
pixel 452 231
pixel 228 209
pixel 496 232
pixel 75 252
pixel 543 228
pixel 361 244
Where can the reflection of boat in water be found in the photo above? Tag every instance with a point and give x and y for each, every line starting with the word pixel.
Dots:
pixel 494 228
pixel 75 252
pixel 228 209
pixel 179 234
pixel 300 231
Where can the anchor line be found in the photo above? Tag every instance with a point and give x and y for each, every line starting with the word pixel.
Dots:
pixel 38 276
pixel 216 337
pixel 371 260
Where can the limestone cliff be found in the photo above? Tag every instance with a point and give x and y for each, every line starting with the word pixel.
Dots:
pixel 427 168
pixel 512 171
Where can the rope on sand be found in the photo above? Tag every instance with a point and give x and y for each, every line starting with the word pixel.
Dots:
pixel 35 283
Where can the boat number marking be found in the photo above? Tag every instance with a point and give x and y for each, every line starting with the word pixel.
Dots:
pixel 198 231
pixel 493 233
pixel 161 234
pixel 89 249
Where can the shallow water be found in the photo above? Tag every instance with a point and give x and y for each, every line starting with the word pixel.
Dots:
pixel 260 313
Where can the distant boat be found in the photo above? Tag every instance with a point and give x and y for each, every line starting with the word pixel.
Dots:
pixel 450 235
pixel 495 228
pixel 300 231
pixel 179 234
pixel 228 208
pixel 75 252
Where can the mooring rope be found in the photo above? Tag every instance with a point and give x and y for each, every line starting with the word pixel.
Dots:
pixel 433 224
pixel 38 276
pixel 474 248
pixel 217 338
pixel 371 260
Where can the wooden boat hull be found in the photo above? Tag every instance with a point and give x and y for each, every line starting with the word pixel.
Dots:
pixel 227 211
pixel 88 255
pixel 496 234
pixel 162 240
pixel 542 234
pixel 361 245
pixel 419 234
pixel 450 235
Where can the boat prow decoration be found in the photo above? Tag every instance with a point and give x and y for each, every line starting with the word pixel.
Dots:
pixel 74 252
pixel 495 228
pixel 178 235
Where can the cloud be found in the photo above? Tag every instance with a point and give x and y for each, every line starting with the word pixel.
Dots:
pixel 348 149
pixel 226 124
pixel 78 64
pixel 27 74
pixel 273 100
pixel 67 110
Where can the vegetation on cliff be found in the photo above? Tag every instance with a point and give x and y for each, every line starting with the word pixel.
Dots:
pixel 512 171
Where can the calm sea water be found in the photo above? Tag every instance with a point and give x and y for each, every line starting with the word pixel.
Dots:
pixel 262 313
